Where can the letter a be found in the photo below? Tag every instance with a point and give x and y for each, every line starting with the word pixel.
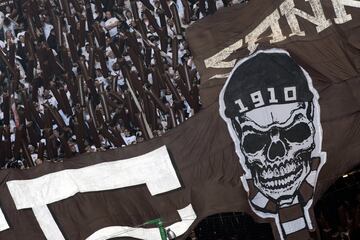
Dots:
pixel 272 22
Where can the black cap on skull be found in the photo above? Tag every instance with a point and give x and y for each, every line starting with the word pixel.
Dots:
pixel 265 79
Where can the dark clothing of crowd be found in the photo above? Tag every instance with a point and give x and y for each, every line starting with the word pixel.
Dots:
pixel 338 211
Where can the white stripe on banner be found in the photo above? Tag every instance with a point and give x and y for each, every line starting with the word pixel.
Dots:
pixel 3 223
pixel 294 225
pixel 260 200
pixel 187 215
pixel 311 179
pixel 47 223
pixel 155 169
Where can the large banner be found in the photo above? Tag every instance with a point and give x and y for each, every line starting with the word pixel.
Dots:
pixel 287 76
pixel 292 94
pixel 322 35
pixel 182 177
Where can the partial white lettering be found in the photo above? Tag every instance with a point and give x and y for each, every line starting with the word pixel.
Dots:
pixel 272 22
pixel 257 99
pixel 339 8
pixel 272 95
pixel 288 9
pixel 241 105
pixel 154 169
pixel 290 94
pixel 217 61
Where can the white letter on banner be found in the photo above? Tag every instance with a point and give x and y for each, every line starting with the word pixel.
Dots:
pixel 272 22
pixel 339 8
pixel 217 61
pixel 3 223
pixel 154 169
pixel 288 9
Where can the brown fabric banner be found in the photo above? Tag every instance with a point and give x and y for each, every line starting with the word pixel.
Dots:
pixel 326 45
pixel 197 173
pixel 322 41
pixel 201 153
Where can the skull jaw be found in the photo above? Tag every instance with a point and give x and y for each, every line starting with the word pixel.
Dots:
pixel 283 188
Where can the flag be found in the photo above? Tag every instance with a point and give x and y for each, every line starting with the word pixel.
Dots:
pixel 184 176
pixel 206 165
pixel 285 77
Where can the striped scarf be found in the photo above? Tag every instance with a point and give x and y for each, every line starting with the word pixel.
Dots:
pixel 292 218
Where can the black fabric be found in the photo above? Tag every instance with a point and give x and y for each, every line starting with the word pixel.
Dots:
pixel 263 71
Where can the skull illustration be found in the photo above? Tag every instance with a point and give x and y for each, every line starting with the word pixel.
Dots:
pixel 272 114
pixel 277 142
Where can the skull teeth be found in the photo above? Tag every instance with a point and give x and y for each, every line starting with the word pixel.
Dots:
pixel 283 183
pixel 276 177
pixel 282 171
pixel 278 172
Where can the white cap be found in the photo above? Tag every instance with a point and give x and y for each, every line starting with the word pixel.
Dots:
pixel 20 34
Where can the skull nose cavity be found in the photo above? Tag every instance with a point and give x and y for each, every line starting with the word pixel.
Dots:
pixel 276 150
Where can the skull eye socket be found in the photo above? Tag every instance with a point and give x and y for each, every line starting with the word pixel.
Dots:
pixel 254 142
pixel 297 133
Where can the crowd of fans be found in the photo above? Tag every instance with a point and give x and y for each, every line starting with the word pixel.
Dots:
pixel 82 76
pixel 88 75
pixel 338 211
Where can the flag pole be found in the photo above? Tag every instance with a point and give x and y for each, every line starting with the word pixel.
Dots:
pixel 159 223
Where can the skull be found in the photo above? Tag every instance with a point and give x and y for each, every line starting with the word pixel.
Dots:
pixel 277 142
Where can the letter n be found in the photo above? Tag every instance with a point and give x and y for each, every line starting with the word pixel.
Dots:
pixel 339 8
pixel 288 10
